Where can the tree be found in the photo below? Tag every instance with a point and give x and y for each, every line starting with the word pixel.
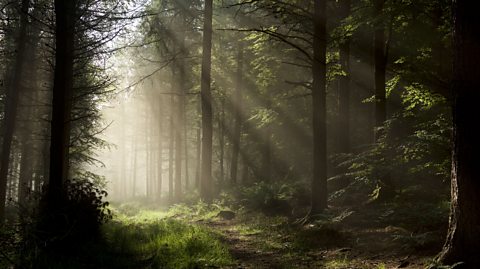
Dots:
pixel 207 113
pixel 380 68
pixel 463 239
pixel 8 124
pixel 62 99
pixel 319 72
pixel 344 86
pixel 238 110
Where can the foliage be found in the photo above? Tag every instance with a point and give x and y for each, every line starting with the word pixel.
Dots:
pixel 272 197
pixel 168 243
pixel 77 218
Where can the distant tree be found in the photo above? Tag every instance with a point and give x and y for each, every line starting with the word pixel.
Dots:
pixel 207 114
pixel 463 239
pixel 238 110
pixel 11 106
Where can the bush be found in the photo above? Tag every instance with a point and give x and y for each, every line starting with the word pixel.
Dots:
pixel 74 219
pixel 273 198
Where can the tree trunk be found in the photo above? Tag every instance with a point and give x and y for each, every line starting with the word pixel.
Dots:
pixel 62 99
pixel 319 180
pixel 344 87
pixel 463 239
pixel 207 113
pixel 198 158
pixel 171 138
pixel 221 139
pixel 380 69
pixel 12 97
pixel 238 111
pixel 185 145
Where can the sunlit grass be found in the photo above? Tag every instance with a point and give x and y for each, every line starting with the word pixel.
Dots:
pixel 167 243
pixel 145 238
pixel 338 263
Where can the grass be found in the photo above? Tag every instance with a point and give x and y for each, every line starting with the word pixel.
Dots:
pixel 167 243
pixel 143 239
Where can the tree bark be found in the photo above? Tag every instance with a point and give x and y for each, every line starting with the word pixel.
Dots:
pixel 198 157
pixel 207 113
pixel 171 150
pixel 237 114
pixel 380 69
pixel 62 99
pixel 463 239
pixel 344 87
pixel 319 68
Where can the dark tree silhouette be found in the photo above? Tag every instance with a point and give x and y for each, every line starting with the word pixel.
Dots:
pixel 319 70
pixel 463 239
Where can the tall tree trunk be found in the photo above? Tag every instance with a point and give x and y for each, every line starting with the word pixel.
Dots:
pixel 319 69
pixel 207 113
pixel 11 105
pixel 179 141
pixel 62 99
pixel 380 68
pixel 171 138
pixel 160 155
pixel 387 190
pixel 221 139
pixel 344 87
pixel 237 115
pixel 147 133
pixel 463 239
pixel 198 157
pixel 185 145
pixel 123 162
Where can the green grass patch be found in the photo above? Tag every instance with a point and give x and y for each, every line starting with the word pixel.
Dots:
pixel 168 243
pixel 143 239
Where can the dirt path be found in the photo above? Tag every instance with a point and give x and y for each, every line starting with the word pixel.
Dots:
pixel 367 249
pixel 245 249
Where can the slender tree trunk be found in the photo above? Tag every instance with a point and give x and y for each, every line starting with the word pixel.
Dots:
pixel 344 87
pixel 160 155
pixel 207 113
pixel 123 161
pixel 62 100
pixel 463 239
pixel 185 145
pixel 147 133
pixel 237 114
pixel 221 139
pixel 319 69
pixel 171 150
pixel 12 97
pixel 380 69
pixel 198 157
pixel 179 145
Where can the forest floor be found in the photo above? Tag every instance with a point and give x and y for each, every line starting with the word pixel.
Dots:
pixel 366 239
pixel 267 246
